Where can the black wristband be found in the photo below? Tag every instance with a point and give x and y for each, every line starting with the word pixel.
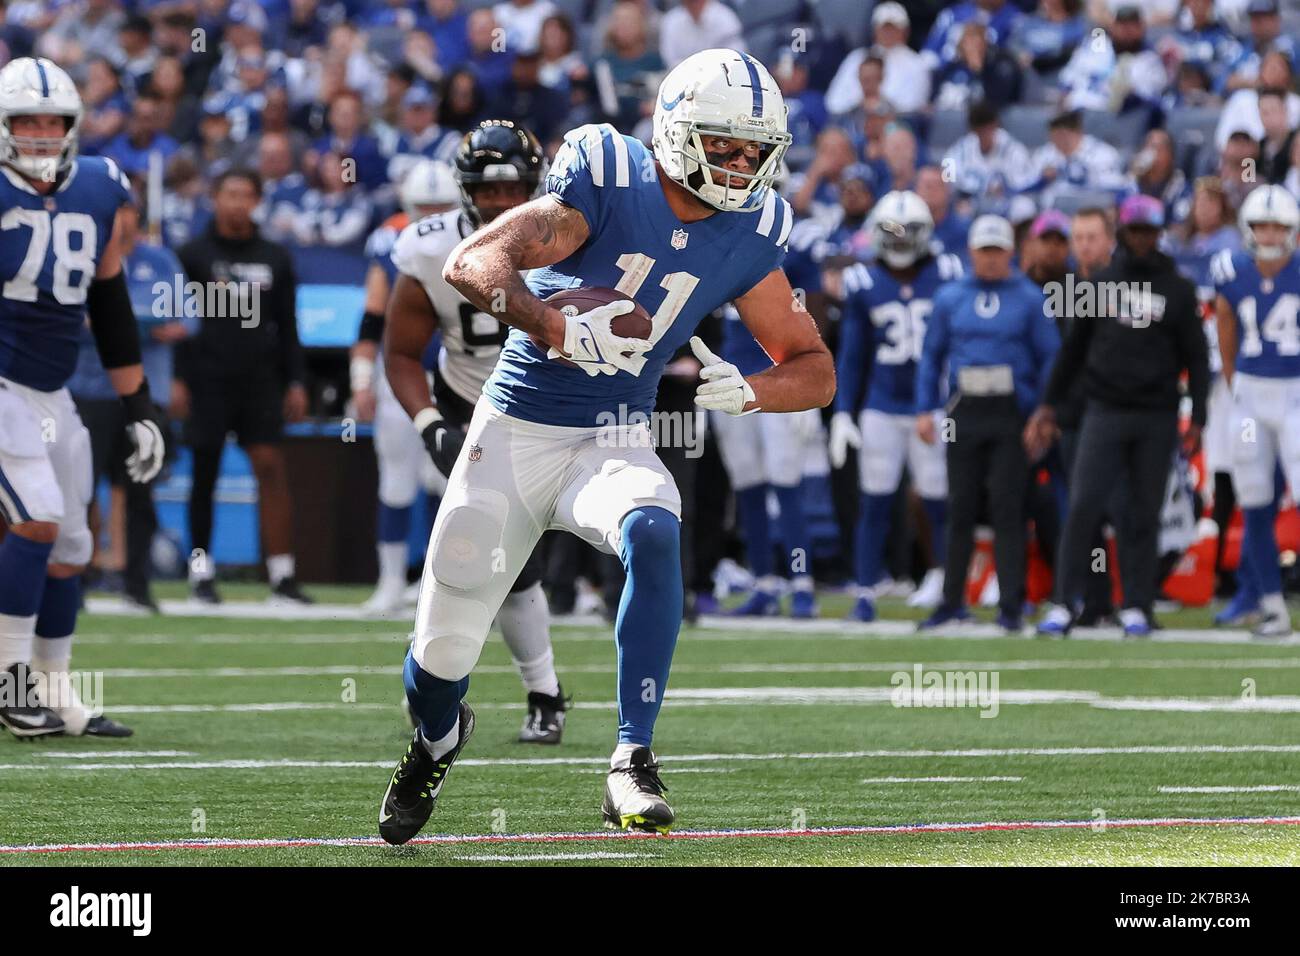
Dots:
pixel 139 405
pixel 372 327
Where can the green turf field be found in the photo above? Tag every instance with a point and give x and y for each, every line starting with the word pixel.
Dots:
pixel 762 729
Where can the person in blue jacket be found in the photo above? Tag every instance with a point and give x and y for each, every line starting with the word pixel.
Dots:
pixel 992 333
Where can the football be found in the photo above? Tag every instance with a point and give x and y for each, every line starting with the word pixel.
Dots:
pixel 633 325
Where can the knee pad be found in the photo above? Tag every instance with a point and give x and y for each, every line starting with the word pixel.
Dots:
pixel 467 538
pixel 74 545
pixel 451 635
pixel 653 533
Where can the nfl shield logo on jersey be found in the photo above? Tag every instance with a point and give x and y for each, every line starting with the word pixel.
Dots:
pixel 475 452
pixel 679 239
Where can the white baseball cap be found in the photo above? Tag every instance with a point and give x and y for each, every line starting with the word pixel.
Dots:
pixel 992 231
pixel 890 12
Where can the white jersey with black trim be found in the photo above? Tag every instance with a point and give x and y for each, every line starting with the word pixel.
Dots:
pixel 471 340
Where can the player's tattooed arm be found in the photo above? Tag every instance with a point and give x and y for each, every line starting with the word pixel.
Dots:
pixel 485 267
pixel 804 374
pixel 409 324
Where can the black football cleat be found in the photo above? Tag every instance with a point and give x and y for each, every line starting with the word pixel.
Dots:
pixel 416 784
pixel 102 726
pixel 634 796
pixel 545 721
pixel 205 592
pixel 20 713
pixel 289 591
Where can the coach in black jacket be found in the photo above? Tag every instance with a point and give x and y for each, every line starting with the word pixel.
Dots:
pixel 1138 329
pixel 242 373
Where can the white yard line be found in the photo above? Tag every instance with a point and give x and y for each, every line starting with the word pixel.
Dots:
pixel 670 761
pixel 1264 788
pixel 840 667
pixel 709 627
pixel 510 858
pixel 875 780
pixel 613 836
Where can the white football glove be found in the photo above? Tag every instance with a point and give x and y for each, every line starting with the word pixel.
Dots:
pixel 724 388
pixel 593 347
pixel 844 435
pixel 146 458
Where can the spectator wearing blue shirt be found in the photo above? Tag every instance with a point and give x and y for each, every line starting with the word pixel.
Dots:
pixel 1203 42
pixel 950 228
pixel 1265 36
pixel 348 140
pixel 105 105
pixel 449 27
pixel 155 280
pixel 991 332
pixel 807 108
pixel 980 71
pixel 143 135
pixel 1000 17
pixel 1045 40
pixel 488 56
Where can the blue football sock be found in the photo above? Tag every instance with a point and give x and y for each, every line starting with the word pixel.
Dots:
pixel 393 524
pixel 936 509
pixel 649 617
pixel 874 513
pixel 60 602
pixel 434 700
pixel 794 530
pixel 751 513
pixel 1261 543
pixel 22 575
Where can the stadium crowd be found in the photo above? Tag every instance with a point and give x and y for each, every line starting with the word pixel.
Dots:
pixel 1052 117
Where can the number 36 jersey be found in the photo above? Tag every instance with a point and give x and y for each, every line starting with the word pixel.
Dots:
pixel 679 272
pixel 471 340
pixel 49 250
pixel 1268 333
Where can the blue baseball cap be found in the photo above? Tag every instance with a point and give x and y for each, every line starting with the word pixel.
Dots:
pixel 860 172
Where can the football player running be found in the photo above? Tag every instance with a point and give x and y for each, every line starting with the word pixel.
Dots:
pixel 404 467
pixel 498 166
pixel 682 230
pixel 60 262
pixel 1259 339
pixel 885 310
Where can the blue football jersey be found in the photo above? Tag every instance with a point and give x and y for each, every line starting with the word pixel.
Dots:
pixel 49 251
pixel 1268 335
pixel 883 331
pixel 679 272
pixel 739 347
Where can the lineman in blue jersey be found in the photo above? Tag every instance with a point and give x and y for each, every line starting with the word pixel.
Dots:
pixel 885 312
pixel 683 230
pixel 1258 305
pixel 60 262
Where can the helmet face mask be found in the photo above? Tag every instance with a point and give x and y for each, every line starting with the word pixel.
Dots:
pixel 1269 204
pixel 901 229
pixel 498 151
pixel 728 95
pixel 30 87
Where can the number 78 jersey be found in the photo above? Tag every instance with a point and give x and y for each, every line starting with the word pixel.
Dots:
pixel 49 251
pixel 1268 334
pixel 679 272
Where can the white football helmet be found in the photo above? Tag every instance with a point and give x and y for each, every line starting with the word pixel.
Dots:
pixel 720 93
pixel 428 183
pixel 35 87
pixel 901 227
pixel 1269 204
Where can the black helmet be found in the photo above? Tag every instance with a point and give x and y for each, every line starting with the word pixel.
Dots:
pixel 494 151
